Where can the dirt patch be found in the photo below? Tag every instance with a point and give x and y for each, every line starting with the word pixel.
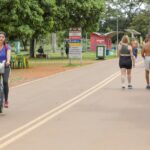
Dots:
pixel 19 76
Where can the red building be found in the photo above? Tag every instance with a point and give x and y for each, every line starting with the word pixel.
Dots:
pixel 98 38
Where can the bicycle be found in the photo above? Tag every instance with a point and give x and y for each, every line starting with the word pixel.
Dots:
pixel 2 69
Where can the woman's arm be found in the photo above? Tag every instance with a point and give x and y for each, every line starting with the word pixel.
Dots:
pixel 132 56
pixel 119 49
pixel 8 57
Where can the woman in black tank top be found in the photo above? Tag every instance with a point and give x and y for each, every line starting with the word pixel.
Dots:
pixel 125 60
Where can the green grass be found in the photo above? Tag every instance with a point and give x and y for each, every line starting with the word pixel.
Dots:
pixel 89 55
pixel 111 57
pixel 57 59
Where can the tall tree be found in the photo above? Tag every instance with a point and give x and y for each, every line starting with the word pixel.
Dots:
pixel 148 8
pixel 141 21
pixel 26 19
pixel 78 13
pixel 19 18
pixel 47 6
pixel 124 10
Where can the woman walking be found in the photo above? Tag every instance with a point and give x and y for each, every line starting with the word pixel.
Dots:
pixel 5 53
pixel 126 61
pixel 134 44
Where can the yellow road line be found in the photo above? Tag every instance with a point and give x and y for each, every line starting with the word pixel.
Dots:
pixel 32 125
pixel 23 130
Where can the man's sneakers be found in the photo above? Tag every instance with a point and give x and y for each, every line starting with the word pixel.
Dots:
pixel 148 87
pixel 6 104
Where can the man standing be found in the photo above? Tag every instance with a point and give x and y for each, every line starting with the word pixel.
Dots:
pixel 146 55
pixel 67 49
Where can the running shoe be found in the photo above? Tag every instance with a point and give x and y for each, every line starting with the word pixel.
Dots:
pixel 129 86
pixel 148 87
pixel 123 87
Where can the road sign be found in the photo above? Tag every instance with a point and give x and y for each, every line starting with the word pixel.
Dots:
pixel 75 45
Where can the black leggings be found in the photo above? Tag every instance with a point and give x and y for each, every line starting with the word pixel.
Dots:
pixel 5 82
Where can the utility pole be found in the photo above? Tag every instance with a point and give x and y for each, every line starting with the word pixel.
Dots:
pixel 117 30
pixel 117 36
pixel 86 41
pixel 149 20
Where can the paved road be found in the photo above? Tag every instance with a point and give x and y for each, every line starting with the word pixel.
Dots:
pixel 81 109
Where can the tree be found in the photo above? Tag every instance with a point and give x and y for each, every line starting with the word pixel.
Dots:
pixel 148 8
pixel 141 21
pixel 48 7
pixel 78 13
pixel 124 11
pixel 19 18
pixel 26 19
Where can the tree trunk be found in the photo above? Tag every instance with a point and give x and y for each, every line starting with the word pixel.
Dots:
pixel 24 42
pixel 53 41
pixel 32 47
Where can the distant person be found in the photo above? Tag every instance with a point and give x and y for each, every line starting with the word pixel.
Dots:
pixel 146 55
pixel 67 49
pixel 62 52
pixel 5 55
pixel 126 61
pixel 134 45
pixel 40 50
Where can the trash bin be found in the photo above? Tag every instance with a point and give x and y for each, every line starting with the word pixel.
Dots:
pixel 100 51
pixel 107 52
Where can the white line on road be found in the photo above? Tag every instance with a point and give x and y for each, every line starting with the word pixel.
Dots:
pixel 25 129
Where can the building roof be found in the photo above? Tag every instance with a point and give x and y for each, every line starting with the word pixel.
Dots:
pixel 110 34
pixel 97 33
pixel 113 33
pixel 132 31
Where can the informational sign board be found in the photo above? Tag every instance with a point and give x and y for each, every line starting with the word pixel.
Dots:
pixel 75 45
pixel 100 51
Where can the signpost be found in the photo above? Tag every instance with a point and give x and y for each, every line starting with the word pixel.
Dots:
pixel 75 45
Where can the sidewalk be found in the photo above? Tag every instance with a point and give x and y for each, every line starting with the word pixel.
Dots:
pixel 19 76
